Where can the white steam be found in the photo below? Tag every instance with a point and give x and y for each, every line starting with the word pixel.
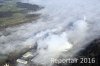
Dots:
pixel 51 47
pixel 52 44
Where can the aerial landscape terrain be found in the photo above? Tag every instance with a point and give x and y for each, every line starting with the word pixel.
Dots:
pixel 13 12
pixel 49 32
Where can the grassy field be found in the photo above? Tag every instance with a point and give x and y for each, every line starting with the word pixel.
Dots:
pixel 10 14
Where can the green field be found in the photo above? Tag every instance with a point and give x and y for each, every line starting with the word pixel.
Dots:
pixel 10 14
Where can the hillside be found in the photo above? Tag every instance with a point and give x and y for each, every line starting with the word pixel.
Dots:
pixel 12 12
